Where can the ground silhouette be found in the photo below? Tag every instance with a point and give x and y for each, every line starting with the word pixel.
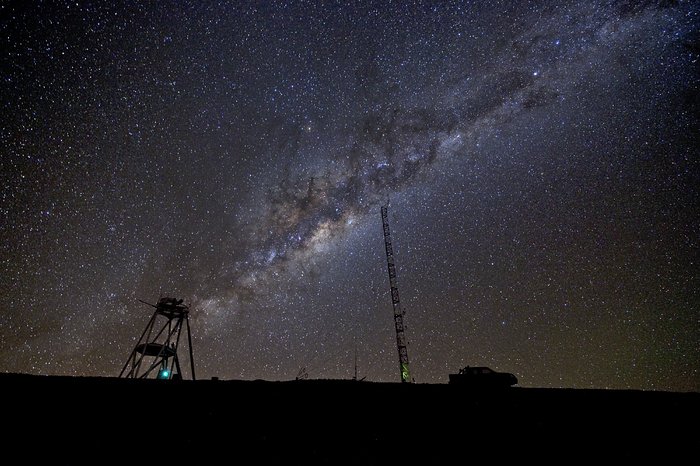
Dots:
pixel 337 422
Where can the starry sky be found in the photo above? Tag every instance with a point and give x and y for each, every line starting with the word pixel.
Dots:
pixel 540 159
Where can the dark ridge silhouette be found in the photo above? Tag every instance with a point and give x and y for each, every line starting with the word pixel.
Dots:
pixel 67 419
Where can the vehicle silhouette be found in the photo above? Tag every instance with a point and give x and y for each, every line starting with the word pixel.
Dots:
pixel 483 377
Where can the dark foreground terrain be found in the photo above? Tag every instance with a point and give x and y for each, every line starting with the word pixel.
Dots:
pixel 69 419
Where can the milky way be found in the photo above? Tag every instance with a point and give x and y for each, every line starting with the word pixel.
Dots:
pixel 540 161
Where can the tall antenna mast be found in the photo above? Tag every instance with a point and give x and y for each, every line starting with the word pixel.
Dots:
pixel 398 313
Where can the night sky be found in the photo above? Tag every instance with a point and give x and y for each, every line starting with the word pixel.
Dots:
pixel 540 158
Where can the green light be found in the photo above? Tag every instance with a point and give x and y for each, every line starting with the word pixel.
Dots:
pixel 405 376
pixel 163 374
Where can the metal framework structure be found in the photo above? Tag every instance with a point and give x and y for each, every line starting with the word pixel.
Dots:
pixel 398 313
pixel 157 348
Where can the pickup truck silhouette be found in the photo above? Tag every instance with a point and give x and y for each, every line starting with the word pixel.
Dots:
pixel 483 377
